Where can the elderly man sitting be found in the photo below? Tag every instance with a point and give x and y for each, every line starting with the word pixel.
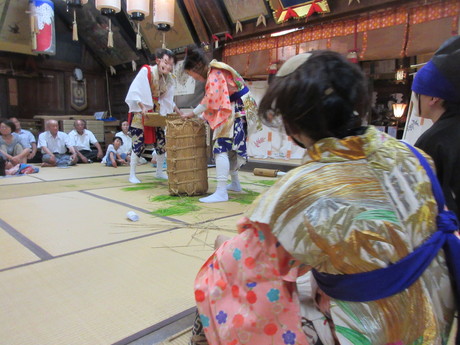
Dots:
pixel 54 145
pixel 81 138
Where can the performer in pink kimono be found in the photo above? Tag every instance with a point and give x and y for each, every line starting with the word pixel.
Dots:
pixel 344 249
pixel 151 90
pixel 226 105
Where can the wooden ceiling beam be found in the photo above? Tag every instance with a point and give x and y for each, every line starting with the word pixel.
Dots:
pixel 214 17
pixel 196 20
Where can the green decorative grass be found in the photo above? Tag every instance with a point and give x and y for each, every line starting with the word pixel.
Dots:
pixel 175 210
pixel 247 198
pixel 267 182
pixel 140 186
pixel 179 205
pixel 263 182
pixel 164 198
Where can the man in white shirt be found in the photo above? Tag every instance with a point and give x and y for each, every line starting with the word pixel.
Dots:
pixel 54 145
pixel 151 90
pixel 81 138
pixel 26 136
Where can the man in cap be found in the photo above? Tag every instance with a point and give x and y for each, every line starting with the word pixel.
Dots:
pixel 437 86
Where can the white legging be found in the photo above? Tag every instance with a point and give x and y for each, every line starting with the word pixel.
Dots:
pixel 226 163
pixel 222 166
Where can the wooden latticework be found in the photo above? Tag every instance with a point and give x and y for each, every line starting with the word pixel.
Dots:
pixel 186 156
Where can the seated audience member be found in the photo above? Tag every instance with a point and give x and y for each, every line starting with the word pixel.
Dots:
pixel 54 145
pixel 13 149
pixel 114 157
pixel 126 138
pixel 26 136
pixel 81 138
pixel 128 142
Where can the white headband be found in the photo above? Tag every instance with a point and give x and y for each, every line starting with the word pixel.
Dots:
pixel 292 64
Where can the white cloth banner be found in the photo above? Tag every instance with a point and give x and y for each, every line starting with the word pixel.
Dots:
pixel 415 125
pixel 185 84
pixel 269 142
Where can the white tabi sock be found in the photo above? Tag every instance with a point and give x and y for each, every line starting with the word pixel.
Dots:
pixel 160 174
pixel 220 195
pixel 235 185
pixel 222 170
pixel 132 170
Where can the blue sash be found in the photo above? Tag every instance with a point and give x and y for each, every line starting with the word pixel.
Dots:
pixel 385 282
pixel 237 95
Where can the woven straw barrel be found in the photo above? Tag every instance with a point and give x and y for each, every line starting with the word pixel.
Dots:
pixel 186 156
pixel 154 120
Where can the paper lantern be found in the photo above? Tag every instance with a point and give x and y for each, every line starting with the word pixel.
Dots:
pixel 163 14
pixel 109 8
pixel 398 109
pixel 137 10
pixel 74 4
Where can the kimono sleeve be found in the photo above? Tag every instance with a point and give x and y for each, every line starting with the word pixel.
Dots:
pixel 139 92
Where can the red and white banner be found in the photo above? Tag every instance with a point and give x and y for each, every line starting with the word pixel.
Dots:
pixel 43 14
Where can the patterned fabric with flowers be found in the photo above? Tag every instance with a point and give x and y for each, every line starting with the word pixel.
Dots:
pixel 245 292
pixel 237 143
pixel 354 205
pixel 219 86
pixel 358 204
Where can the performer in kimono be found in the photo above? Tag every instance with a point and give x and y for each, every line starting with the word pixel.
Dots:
pixel 225 106
pixel 151 90
pixel 437 86
pixel 318 257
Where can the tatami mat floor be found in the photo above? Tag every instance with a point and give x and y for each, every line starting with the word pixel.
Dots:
pixel 75 270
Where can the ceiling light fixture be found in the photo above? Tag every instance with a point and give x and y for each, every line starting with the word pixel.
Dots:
pixel 285 32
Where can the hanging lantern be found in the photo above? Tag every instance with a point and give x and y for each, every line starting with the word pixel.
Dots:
pixel 398 109
pixel 163 16
pixel 352 56
pixel 42 26
pixel 401 75
pixel 109 8
pixel 74 4
pixel 138 10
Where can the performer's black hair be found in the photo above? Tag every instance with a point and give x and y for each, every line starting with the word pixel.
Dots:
pixel 196 60
pixel 161 52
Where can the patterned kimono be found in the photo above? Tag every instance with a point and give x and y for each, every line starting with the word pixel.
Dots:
pixel 228 104
pixel 355 204
pixel 156 92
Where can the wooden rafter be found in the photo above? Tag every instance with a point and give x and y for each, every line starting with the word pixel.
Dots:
pixel 196 20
